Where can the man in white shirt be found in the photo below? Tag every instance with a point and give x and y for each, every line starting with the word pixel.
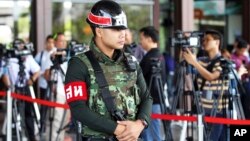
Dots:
pixel 41 59
pixel 58 66
pixel 23 72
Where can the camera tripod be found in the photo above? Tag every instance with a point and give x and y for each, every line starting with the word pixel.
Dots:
pixel 231 96
pixel 156 80
pixel 7 125
pixel 16 108
pixel 51 95
pixel 234 95
pixel 186 95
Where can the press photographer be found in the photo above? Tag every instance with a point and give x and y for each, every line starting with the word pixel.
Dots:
pixel 20 57
pixel 41 58
pixel 209 80
pixel 64 54
pixel 55 73
pixel 23 71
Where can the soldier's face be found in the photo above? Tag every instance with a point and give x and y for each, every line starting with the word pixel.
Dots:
pixel 111 38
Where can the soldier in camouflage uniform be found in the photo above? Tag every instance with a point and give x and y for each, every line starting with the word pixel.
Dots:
pixel 108 23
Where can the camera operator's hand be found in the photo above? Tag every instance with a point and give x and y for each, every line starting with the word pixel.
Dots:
pixel 30 82
pixel 189 56
pixel 53 55
pixel 33 78
pixel 191 59
pixel 6 80
pixel 132 131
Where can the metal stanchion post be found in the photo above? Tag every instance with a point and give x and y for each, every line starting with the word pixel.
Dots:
pixel 9 115
pixel 200 127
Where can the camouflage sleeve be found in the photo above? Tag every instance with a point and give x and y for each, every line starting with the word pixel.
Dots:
pixel 77 71
pixel 144 111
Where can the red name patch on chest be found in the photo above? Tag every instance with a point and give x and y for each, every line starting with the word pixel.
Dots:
pixel 76 91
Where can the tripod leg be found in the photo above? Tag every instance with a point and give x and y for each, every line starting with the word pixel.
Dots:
pixel 61 125
pixel 238 107
pixel 17 118
pixel 35 106
pixel 188 110
pixel 43 119
pixel 200 111
pixel 51 119
pixel 164 110
pixel 45 109
pixel 179 90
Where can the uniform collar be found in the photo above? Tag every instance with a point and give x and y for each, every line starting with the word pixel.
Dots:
pixel 118 55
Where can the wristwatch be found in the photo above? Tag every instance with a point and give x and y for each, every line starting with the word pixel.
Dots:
pixel 144 122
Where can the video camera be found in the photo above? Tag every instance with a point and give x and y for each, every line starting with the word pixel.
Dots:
pixel 155 64
pixel 16 50
pixel 186 39
pixel 226 65
pixel 75 48
pixel 63 55
pixel 59 56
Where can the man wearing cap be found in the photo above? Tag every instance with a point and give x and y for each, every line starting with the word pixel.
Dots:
pixel 104 87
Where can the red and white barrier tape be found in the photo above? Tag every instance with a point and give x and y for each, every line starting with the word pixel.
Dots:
pixel 39 101
pixel 215 120
pixel 154 116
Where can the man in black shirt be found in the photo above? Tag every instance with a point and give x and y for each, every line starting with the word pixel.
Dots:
pixel 131 47
pixel 152 61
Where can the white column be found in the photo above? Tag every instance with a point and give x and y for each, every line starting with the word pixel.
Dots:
pixel 43 21
pixel 187 15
